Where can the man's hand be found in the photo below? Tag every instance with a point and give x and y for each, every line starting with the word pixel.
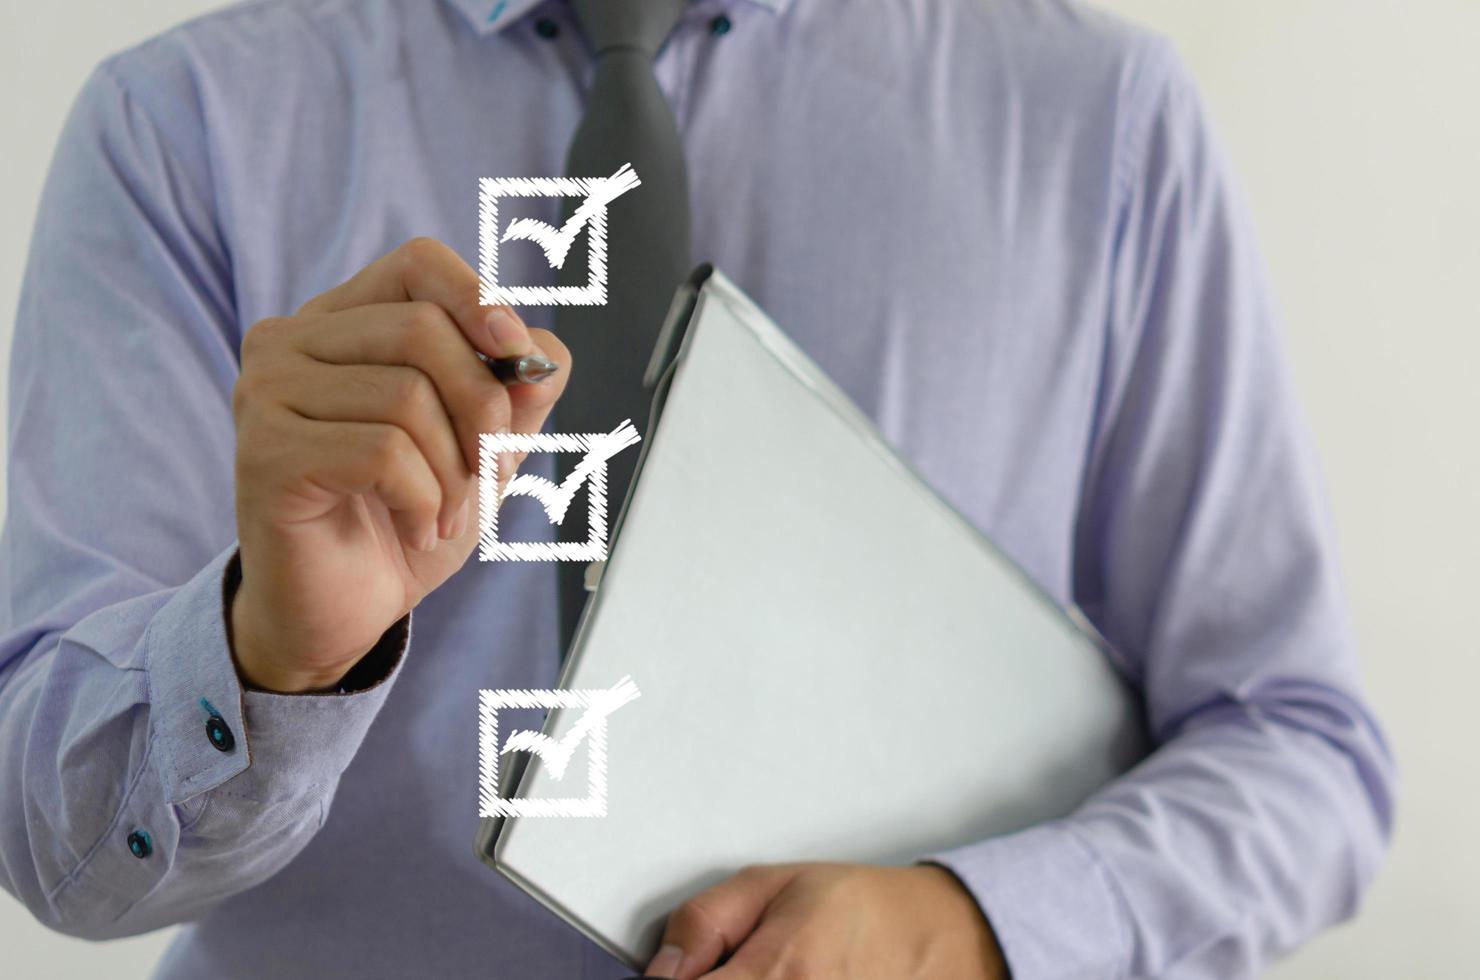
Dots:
pixel 825 921
pixel 357 424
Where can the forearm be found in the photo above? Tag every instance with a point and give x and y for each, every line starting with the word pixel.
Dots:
pixel 1256 825
pixel 130 814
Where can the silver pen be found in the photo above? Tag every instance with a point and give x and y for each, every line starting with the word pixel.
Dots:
pixel 531 369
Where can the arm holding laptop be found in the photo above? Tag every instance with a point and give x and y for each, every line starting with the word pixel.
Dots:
pixel 1204 553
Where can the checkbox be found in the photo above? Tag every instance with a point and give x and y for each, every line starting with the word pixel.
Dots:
pixel 589 729
pixel 596 194
pixel 596 449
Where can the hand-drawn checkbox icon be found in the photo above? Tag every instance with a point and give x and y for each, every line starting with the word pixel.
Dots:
pixel 555 498
pixel 556 243
pixel 556 754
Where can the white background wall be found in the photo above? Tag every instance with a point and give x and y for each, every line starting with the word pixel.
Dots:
pixel 1355 127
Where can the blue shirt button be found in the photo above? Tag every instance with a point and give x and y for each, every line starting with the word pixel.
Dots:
pixel 219 734
pixel 139 844
pixel 720 25
pixel 546 28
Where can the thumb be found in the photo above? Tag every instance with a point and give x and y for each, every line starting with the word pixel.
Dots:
pixel 717 920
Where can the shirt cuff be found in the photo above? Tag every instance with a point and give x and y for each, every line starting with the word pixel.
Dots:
pixel 1052 903
pixel 207 729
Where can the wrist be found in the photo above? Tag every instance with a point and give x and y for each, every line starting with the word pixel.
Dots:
pixel 252 650
pixel 959 906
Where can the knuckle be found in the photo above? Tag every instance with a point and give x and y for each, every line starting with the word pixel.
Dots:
pixel 389 446
pixel 420 250
pixel 412 395
pixel 253 388
pixel 423 316
pixel 261 334
pixel 684 920
pixel 692 919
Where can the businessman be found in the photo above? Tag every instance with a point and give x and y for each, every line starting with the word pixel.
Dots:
pixel 241 638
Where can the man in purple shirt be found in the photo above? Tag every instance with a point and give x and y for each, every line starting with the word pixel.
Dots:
pixel 242 432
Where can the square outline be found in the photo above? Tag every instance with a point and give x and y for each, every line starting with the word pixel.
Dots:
pixel 490 293
pixel 490 804
pixel 490 444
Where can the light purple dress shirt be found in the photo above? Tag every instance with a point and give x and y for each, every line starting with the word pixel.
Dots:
pixel 1001 225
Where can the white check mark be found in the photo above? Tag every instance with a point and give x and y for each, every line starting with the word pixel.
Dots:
pixel 556 498
pixel 556 242
pixel 557 754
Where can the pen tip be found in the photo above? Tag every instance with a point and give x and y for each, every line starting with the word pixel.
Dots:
pixel 536 368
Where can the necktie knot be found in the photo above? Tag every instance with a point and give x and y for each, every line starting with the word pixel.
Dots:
pixel 612 25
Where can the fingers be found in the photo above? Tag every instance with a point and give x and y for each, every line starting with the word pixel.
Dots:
pixel 765 953
pixel 396 347
pixel 716 921
pixel 345 458
pixel 419 335
pixel 741 969
pixel 427 270
pixel 400 396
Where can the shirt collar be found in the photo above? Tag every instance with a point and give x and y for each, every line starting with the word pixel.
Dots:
pixel 487 16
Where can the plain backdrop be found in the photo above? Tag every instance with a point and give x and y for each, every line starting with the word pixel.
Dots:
pixel 1355 131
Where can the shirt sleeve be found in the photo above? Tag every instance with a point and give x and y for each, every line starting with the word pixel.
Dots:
pixel 1204 553
pixel 142 782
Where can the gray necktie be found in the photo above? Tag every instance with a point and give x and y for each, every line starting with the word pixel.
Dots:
pixel 627 120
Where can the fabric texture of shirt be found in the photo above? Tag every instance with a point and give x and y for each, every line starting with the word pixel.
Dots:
pixel 1001 225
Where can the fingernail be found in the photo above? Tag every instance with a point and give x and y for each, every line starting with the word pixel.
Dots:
pixel 666 963
pixel 429 540
pixel 506 329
